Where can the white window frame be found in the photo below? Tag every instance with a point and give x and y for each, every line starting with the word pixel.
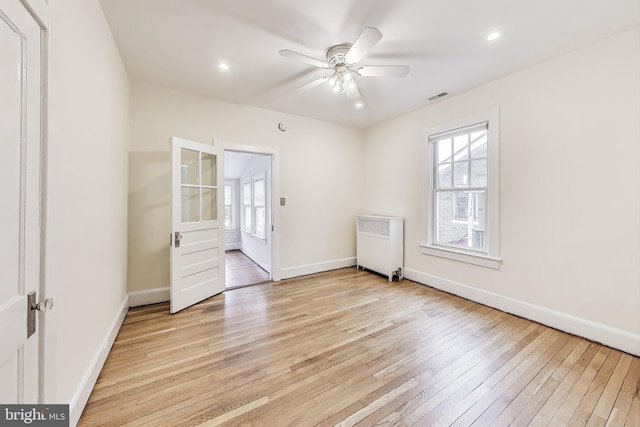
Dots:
pixel 491 257
pixel 246 227
pixel 233 203
pixel 254 179
pixel 251 228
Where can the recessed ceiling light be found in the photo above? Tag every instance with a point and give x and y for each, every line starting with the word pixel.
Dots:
pixel 494 36
pixel 223 66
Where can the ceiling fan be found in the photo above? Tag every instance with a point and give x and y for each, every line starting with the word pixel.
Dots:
pixel 343 59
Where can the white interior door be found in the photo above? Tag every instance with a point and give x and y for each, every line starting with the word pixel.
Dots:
pixel 20 170
pixel 197 218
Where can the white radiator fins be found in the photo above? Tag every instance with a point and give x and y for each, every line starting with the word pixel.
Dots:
pixel 378 227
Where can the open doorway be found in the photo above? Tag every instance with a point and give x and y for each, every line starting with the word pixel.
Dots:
pixel 248 218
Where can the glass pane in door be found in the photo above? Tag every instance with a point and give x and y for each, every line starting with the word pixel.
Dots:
pixel 190 204
pixel 209 169
pixel 209 202
pixel 189 167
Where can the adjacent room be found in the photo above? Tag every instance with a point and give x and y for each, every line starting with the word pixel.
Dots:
pixel 380 212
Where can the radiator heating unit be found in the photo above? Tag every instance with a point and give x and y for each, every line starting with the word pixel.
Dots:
pixel 379 245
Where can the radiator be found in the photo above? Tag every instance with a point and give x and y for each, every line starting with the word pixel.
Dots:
pixel 379 244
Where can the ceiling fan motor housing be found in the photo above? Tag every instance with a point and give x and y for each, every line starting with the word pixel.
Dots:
pixel 335 55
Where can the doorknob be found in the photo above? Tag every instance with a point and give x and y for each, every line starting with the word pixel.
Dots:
pixel 178 237
pixel 32 307
pixel 44 306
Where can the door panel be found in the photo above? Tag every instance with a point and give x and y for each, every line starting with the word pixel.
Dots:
pixel 20 171
pixel 197 255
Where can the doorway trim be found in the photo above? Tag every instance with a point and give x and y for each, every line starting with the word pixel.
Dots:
pixel 274 152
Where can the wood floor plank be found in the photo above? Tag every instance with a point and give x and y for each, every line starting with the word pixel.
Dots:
pixel 347 347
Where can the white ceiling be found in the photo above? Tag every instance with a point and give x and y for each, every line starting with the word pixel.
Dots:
pixel 179 44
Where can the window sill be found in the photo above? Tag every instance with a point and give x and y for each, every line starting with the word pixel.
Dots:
pixel 254 236
pixel 462 256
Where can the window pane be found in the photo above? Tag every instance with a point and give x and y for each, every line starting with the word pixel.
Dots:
pixel 190 204
pixel 444 150
pixel 258 192
pixel 479 210
pixel 246 193
pixel 260 221
pixel 461 147
pixel 479 173
pixel 460 174
pixel 462 206
pixel 227 194
pixel 247 217
pixel 444 176
pixel 209 204
pixel 457 231
pixel 208 169
pixel 227 217
pixel 479 144
pixel 189 169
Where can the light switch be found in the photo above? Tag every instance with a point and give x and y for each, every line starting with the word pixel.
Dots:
pixel 282 201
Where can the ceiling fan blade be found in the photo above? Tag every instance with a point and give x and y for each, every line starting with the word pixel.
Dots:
pixel 304 58
pixel 383 71
pixel 365 41
pixel 314 83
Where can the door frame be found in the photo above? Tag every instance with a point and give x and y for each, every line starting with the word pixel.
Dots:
pixel 274 152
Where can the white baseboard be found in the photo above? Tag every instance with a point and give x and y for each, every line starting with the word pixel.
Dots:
pixel 232 246
pixel 620 339
pixel 264 264
pixel 318 267
pixel 148 297
pixel 81 397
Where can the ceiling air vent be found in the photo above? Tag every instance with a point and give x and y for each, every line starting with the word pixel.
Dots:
pixel 440 95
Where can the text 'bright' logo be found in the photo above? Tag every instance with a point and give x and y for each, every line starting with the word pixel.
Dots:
pixel 27 416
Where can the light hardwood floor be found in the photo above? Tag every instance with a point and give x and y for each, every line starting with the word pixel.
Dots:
pixel 240 270
pixel 347 347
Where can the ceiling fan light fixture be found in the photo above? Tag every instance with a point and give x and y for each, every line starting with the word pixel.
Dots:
pixel 347 77
pixel 332 81
pixel 336 88
pixel 351 85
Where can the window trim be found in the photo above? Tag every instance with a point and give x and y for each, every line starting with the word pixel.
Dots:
pixel 428 246
pixel 255 178
pixel 251 230
pixel 244 227
pixel 233 204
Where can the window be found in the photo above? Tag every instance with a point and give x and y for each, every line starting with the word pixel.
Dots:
pixel 247 223
pixel 254 206
pixel 230 205
pixel 259 206
pixel 461 200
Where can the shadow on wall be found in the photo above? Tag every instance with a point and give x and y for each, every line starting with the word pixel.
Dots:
pixel 149 219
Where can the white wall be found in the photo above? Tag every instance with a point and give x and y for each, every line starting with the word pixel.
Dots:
pixel 87 190
pixel 321 176
pixel 569 199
